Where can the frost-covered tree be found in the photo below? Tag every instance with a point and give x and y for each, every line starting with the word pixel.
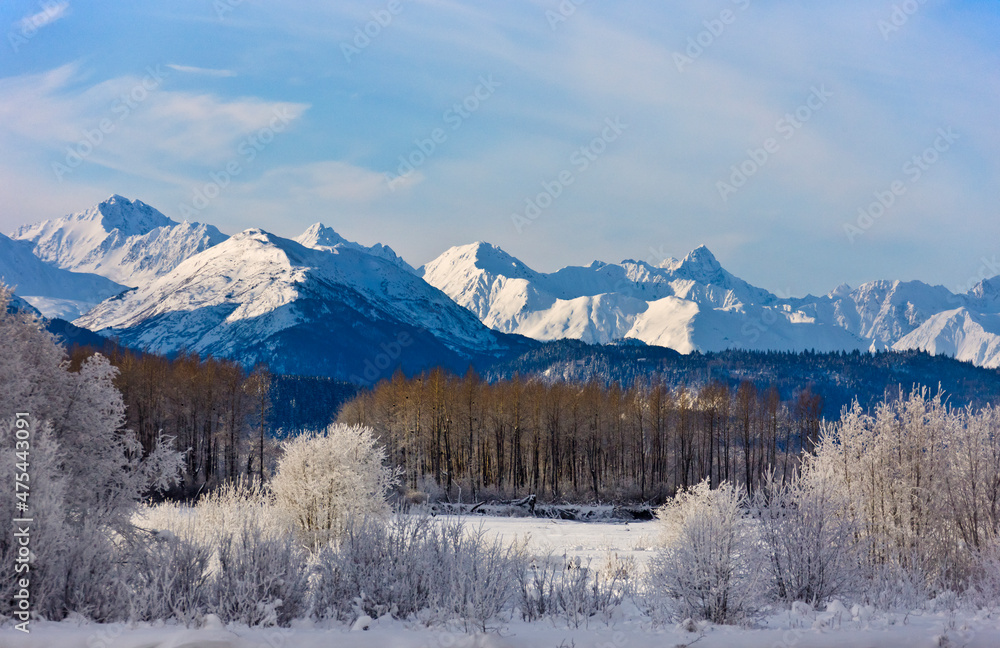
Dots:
pixel 810 543
pixel 323 478
pixel 86 473
pixel 921 485
pixel 709 566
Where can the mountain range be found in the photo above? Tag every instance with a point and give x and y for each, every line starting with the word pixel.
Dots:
pixel 331 310
pixel 694 304
pixel 320 304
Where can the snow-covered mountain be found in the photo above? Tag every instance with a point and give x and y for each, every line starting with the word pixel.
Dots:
pixel 54 292
pixel 258 295
pixel 695 304
pixel 960 333
pixel 320 237
pixel 124 240
pixel 690 304
pixel 334 310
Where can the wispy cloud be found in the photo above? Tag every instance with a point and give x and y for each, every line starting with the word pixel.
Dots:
pixel 134 122
pixel 51 12
pixel 190 69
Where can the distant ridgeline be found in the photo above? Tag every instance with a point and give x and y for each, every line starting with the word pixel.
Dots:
pixel 309 402
pixel 838 377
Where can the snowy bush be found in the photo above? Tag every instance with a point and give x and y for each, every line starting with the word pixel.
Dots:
pixel 482 577
pixel 810 543
pixel 170 579
pixel 322 479
pixel 569 588
pixel 260 580
pixel 709 567
pixel 226 509
pixel 416 567
pixel 96 576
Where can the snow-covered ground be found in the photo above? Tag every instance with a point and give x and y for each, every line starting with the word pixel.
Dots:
pixel 836 625
pixel 898 632
pixel 588 540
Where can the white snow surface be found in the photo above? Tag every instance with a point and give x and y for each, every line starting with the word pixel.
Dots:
pixel 53 291
pixel 694 304
pixel 833 625
pixel 124 240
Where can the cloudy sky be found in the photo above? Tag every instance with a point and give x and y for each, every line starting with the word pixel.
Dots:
pixel 806 143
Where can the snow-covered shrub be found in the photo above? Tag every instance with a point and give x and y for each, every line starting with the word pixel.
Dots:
pixel 97 574
pixel 482 577
pixel 414 566
pixel 571 589
pixel 709 567
pixel 984 586
pixel 383 567
pixel 169 580
pixel 323 479
pixel 260 579
pixel 808 539
pixel 226 509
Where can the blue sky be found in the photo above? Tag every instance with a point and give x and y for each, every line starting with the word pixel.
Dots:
pixel 562 132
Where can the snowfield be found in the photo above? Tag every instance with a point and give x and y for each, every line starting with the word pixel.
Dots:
pixel 836 625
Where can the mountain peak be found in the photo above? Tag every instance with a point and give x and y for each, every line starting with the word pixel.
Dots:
pixel 495 260
pixel 129 217
pixel 701 265
pixel 124 240
pixel 319 235
pixel 842 290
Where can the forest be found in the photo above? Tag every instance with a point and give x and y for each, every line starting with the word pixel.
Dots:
pixel 223 417
pixel 462 437
pixel 502 436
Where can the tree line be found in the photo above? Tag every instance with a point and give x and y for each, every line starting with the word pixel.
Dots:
pixel 212 409
pixel 590 440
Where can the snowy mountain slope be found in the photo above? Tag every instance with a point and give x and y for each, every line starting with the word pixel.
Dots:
pixel 880 311
pixel 124 240
pixel 320 237
pixel 339 312
pixel 690 304
pixel 972 337
pixel 53 291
